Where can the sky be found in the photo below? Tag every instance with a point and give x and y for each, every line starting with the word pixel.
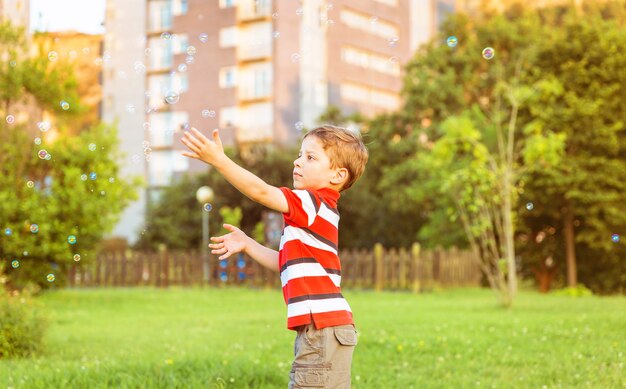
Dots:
pixel 61 15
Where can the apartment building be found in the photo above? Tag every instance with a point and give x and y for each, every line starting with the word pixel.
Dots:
pixel 260 70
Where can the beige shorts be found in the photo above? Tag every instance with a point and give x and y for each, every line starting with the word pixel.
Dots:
pixel 322 357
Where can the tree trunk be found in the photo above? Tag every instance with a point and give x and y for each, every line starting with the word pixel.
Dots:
pixel 508 236
pixel 570 246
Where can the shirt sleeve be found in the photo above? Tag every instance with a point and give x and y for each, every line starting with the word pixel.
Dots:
pixel 303 207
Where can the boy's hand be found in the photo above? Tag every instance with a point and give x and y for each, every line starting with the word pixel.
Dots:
pixel 228 244
pixel 202 148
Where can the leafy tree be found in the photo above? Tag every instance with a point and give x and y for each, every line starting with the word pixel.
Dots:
pixel 75 191
pixel 455 97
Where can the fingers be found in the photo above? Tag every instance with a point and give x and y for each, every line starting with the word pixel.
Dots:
pixel 230 228
pixel 225 255
pixel 190 139
pixel 216 137
pixel 190 155
pixel 217 238
pixel 219 251
pixel 201 138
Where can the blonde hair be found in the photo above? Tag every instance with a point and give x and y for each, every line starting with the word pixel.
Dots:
pixel 344 149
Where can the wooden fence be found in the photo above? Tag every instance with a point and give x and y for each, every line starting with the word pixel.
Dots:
pixel 378 269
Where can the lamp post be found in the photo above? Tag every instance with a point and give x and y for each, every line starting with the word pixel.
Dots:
pixel 204 195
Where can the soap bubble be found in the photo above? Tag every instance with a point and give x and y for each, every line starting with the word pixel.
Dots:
pixel 166 36
pixel 299 126
pixel 92 147
pixel 488 53
pixel 76 257
pixel 130 108
pixel 299 12
pixel 42 154
pixel 191 50
pixel 615 238
pixel 374 20
pixel 50 277
pixel 530 206
pixel 93 176
pixel 111 180
pixel 53 56
pixel 190 59
pixel 15 264
pixel 172 97
pixel 37 141
pixel 30 184
pixel 83 177
pixel 48 157
pixel 276 34
pixel 204 38
pixel 65 105
pixel 71 239
pixel 295 57
pixel 452 41
pixel 8 232
pixel 393 42
pixel 43 126
pixel 10 119
pixel 140 68
pixel 34 228
pixel 275 15
pixel 182 68
pixel 207 207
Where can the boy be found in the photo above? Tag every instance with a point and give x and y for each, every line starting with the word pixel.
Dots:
pixel 331 159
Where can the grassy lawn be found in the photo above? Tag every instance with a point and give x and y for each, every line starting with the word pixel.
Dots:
pixel 237 338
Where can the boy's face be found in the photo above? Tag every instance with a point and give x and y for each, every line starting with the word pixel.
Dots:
pixel 312 167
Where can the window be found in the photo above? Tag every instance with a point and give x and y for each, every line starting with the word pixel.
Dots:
pixel 369 60
pixel 364 22
pixel 228 77
pixel 160 15
pixel 180 42
pixel 163 164
pixel 180 7
pixel 255 81
pixel 227 3
pixel 161 57
pixel 228 116
pixel 160 168
pixel 228 36
pixel 163 126
pixel 368 95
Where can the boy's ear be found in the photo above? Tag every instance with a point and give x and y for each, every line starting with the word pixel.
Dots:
pixel 340 177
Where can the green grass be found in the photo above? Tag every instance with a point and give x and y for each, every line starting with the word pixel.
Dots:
pixel 237 338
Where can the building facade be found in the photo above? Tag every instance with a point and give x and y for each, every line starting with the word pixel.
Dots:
pixel 260 70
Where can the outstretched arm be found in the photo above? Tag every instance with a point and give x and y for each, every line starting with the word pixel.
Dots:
pixel 212 152
pixel 237 241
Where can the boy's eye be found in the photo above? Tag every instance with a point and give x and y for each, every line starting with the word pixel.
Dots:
pixel 310 158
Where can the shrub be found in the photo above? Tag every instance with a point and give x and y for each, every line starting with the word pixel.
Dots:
pixel 22 325
pixel 579 290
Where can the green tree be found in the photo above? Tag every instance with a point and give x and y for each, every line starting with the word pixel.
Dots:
pixel 74 191
pixel 489 114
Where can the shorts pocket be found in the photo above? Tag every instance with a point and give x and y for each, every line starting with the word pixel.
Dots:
pixel 346 336
pixel 315 376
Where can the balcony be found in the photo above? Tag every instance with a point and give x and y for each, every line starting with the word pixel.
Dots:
pixel 251 11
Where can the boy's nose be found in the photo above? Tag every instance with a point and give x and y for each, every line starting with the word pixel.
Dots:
pixel 296 163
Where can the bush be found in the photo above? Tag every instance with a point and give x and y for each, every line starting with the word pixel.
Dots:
pixel 577 291
pixel 21 324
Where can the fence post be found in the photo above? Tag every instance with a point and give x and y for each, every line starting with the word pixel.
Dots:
pixel 379 271
pixel 415 262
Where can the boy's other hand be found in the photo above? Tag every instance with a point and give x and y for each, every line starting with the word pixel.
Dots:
pixel 202 148
pixel 228 244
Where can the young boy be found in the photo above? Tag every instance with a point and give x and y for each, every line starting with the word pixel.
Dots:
pixel 331 159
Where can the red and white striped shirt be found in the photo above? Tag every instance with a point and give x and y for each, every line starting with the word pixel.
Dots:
pixel 310 271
